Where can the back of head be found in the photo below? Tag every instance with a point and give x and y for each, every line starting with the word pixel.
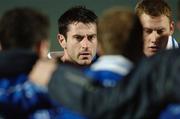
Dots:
pixel 23 28
pixel 75 14
pixel 120 32
pixel 153 8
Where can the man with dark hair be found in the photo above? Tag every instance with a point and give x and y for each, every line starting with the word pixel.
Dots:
pixel 158 25
pixel 78 35
pixel 24 35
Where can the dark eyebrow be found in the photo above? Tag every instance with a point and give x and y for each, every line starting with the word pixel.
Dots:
pixel 77 35
pixel 92 34
pixel 158 28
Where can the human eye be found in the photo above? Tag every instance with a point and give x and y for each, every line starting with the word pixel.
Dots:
pixel 147 31
pixel 78 37
pixel 91 37
pixel 160 31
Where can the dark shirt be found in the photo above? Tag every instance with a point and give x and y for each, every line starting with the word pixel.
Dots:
pixel 143 94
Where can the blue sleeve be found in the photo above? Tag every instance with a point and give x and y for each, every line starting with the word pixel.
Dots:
pixel 22 96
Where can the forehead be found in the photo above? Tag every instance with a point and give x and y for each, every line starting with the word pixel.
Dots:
pixel 82 28
pixel 154 21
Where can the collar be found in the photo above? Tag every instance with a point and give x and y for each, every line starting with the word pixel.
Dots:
pixel 114 63
pixel 172 43
pixel 16 61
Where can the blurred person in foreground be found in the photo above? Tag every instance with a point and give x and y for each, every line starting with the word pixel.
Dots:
pixel 120 45
pixel 24 35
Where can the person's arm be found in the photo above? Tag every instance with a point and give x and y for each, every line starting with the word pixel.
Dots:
pixel 22 99
pixel 145 92
pixel 70 87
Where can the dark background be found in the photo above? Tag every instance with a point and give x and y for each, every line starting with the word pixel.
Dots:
pixel 54 8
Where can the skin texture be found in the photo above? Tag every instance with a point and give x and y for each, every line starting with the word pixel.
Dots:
pixel 81 43
pixel 156 30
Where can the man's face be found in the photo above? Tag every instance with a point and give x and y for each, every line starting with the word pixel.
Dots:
pixel 81 42
pixel 156 31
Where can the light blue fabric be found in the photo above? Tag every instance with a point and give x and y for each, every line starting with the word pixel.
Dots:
pixel 109 69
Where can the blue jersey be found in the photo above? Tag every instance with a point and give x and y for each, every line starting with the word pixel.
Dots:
pixel 21 98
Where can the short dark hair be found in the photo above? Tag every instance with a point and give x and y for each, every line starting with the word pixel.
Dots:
pixel 23 28
pixel 75 14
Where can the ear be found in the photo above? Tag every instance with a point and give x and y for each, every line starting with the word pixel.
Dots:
pixel 61 40
pixel 172 27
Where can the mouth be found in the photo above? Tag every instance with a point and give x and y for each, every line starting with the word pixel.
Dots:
pixel 85 55
pixel 154 48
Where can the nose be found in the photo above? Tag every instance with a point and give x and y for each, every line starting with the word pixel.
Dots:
pixel 85 43
pixel 154 37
